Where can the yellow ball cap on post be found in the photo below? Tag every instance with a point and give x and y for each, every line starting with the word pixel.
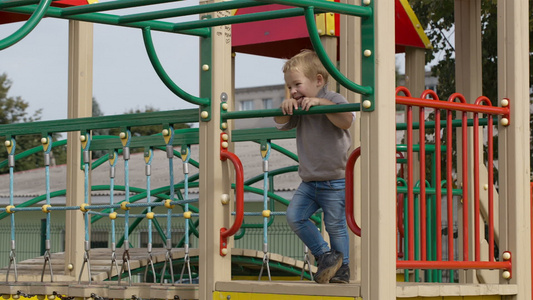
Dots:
pixel 123 205
pixel 168 203
pixel 83 207
pixel 46 208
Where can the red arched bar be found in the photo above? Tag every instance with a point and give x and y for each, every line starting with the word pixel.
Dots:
pixel 348 208
pixel 239 195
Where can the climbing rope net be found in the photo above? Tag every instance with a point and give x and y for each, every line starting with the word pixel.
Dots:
pixel 121 210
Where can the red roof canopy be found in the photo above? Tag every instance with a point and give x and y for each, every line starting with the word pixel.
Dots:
pixel 7 17
pixel 282 38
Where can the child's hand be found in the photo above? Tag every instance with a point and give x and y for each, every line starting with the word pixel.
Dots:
pixel 307 102
pixel 288 105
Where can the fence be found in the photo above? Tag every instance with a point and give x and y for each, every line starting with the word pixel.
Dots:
pixel 433 200
pixel 29 239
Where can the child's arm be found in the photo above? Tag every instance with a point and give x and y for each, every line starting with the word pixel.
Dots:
pixel 287 107
pixel 343 120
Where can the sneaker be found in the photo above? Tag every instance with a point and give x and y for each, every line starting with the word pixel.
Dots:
pixel 328 264
pixel 342 275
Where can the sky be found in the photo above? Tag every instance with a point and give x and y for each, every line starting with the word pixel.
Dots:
pixel 123 77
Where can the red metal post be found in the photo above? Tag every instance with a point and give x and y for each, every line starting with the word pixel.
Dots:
pixel 476 188
pixel 449 180
pixel 422 197
pixel 490 167
pixel 410 185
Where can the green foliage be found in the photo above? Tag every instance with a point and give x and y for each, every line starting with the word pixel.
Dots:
pixel 144 130
pixel 438 16
pixel 13 110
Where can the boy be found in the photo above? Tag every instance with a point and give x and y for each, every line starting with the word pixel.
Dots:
pixel 322 142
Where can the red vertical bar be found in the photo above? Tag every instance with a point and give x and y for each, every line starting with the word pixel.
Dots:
pixel 490 167
pixel 399 224
pixel 410 196
pixel 465 186
pixel 400 212
pixel 438 179
pixel 449 187
pixel 422 161
pixel 438 171
pixel 476 188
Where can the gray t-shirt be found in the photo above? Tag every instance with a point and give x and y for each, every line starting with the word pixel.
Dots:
pixel 322 147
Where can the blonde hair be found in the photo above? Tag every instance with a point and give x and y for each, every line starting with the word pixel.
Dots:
pixel 308 63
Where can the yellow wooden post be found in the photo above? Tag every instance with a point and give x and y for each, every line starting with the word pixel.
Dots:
pixel 513 83
pixel 468 82
pixel 350 65
pixel 378 279
pixel 214 174
pixel 80 72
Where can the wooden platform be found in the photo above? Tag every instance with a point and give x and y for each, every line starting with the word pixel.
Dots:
pixel 29 283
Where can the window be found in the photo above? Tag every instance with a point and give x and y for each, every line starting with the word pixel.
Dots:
pixel 432 87
pixel 267 103
pixel 247 105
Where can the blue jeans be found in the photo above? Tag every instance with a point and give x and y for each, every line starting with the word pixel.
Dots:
pixel 308 198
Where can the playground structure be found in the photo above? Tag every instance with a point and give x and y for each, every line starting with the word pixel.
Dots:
pixel 375 260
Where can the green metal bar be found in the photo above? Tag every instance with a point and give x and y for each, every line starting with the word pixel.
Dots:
pixel 89 123
pixel 324 109
pixel 190 10
pixel 17 3
pixel 111 5
pixel 405 234
pixel 368 58
pixel 108 19
pixel 251 17
pixel 324 58
pixel 25 29
pixel 430 148
pixel 429 190
pixel 433 212
pixel 182 136
pixel 330 6
pixel 431 124
pixel 193 226
pixel 285 151
pixel 437 273
pixel 206 74
pixel 149 45
pixel 272 173
pixel 32 151
pixel 417 233
pixel 261 134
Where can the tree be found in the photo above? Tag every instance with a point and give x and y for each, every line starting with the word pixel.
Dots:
pixel 439 19
pixel 13 110
pixel 145 130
